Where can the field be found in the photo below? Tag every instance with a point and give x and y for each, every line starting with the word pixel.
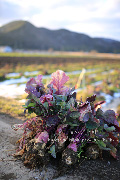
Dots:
pixel 103 69
pixel 90 73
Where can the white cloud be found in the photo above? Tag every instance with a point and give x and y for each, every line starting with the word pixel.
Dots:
pixel 88 16
pixel 36 3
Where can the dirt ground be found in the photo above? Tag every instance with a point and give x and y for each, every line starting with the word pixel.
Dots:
pixel 11 169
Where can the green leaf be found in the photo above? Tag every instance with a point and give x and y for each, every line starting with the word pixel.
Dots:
pixel 100 128
pixel 24 106
pixel 91 125
pixel 52 102
pixel 109 129
pixel 30 111
pixel 102 145
pixel 67 106
pixel 31 104
pixel 75 114
pixel 60 98
pixel 72 124
pixel 100 116
pixel 61 104
pixel 80 149
pixel 36 99
pixel 52 120
pixel 71 101
pixel 52 151
pixel 38 111
pixel 29 96
pixel 27 103
pixel 45 104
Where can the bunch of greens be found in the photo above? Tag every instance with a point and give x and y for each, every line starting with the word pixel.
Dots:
pixel 64 126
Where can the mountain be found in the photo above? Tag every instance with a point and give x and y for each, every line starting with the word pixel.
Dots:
pixel 24 35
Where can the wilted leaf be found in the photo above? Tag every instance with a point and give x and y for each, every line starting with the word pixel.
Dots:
pixel 61 138
pixel 113 152
pixel 117 128
pixel 115 140
pixel 17 126
pixel 91 98
pixel 19 153
pixel 98 104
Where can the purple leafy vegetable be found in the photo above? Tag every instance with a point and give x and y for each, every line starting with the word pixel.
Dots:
pixel 35 86
pixel 63 124
pixel 59 78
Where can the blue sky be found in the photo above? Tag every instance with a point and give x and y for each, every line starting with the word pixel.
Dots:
pixel 97 18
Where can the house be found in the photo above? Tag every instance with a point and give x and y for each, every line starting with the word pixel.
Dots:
pixel 5 49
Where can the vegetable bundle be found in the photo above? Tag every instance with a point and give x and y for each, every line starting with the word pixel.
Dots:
pixel 64 126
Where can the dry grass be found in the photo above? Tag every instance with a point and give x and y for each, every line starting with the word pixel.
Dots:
pixel 14 108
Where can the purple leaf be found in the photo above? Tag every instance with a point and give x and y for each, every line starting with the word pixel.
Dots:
pixel 52 120
pixel 46 98
pixel 60 128
pixel 73 146
pixel 51 89
pixel 59 78
pixel 83 109
pixel 33 86
pixel 30 85
pixel 100 116
pixel 110 117
pixel 39 80
pixel 91 98
pixel 86 117
pixel 98 104
pixel 43 137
